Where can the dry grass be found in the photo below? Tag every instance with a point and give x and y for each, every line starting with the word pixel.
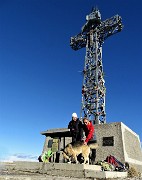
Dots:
pixel 132 172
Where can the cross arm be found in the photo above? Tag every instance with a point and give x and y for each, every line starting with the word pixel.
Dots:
pixel 79 41
pixel 109 27
pixel 104 30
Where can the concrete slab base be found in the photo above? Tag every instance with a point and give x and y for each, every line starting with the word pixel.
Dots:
pixel 105 174
pixel 57 170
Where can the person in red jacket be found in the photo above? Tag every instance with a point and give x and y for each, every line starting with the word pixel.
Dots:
pixel 89 130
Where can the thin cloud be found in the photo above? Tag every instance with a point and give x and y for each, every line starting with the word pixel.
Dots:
pixel 20 157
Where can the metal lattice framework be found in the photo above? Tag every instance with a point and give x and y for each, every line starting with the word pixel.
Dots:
pixel 92 36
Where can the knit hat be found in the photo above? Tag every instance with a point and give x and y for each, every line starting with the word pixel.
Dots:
pixel 74 115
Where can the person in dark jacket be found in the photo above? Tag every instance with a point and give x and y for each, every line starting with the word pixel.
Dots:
pixel 89 130
pixel 76 128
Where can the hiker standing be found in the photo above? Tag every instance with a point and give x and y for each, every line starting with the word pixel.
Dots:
pixel 90 137
pixel 76 130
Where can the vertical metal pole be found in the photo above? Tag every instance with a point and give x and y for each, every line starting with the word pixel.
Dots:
pixel 93 97
pixel 96 76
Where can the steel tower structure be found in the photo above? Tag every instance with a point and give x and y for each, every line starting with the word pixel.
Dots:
pixel 92 36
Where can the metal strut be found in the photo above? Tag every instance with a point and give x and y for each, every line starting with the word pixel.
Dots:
pixel 92 36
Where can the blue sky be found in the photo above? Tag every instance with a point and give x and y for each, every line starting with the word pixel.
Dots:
pixel 40 79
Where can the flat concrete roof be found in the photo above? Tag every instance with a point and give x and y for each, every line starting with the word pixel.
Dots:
pixel 60 132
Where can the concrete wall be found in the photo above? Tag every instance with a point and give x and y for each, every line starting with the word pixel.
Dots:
pixel 132 147
pixel 109 130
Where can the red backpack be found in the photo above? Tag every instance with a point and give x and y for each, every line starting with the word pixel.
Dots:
pixel 112 160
